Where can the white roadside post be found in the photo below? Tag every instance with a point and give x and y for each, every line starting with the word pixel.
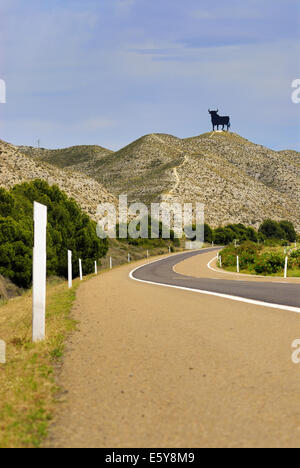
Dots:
pixel 147 253
pixel 285 267
pixel 237 264
pixel 220 261
pixel 70 273
pixel 96 268
pixel 110 262
pixel 39 269
pixel 80 269
pixel 2 352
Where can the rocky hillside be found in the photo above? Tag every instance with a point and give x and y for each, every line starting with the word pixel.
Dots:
pixel 15 167
pixel 238 181
pixel 68 157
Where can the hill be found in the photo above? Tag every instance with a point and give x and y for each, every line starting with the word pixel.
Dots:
pixel 16 167
pixel 67 157
pixel 238 181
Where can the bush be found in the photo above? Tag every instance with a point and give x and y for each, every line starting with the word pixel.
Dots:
pixel 68 228
pixel 272 229
pixel 289 230
pixel 294 259
pixel 247 253
pixel 269 262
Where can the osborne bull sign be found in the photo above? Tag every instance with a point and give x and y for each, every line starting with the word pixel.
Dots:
pixel 217 120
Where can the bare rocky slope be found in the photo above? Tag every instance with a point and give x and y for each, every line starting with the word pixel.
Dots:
pixel 16 167
pixel 237 180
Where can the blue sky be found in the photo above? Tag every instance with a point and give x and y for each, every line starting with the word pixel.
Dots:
pixel 109 71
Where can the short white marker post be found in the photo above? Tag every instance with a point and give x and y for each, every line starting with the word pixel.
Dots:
pixel 285 267
pixel 96 268
pixel 110 262
pixel 212 244
pixel 220 261
pixel 2 352
pixel 237 264
pixel 39 268
pixel 80 269
pixel 70 273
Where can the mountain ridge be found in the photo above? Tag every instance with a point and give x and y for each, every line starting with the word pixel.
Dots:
pixel 236 179
pixel 16 167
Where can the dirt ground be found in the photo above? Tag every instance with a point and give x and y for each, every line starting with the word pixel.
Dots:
pixel 156 367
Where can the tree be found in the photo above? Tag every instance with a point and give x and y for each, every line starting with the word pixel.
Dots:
pixel 288 228
pixel 272 229
pixel 68 228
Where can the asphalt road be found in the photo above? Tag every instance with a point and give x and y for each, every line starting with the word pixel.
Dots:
pixel 161 272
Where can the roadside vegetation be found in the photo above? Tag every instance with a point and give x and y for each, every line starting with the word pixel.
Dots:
pixel 266 255
pixel 69 228
pixel 27 384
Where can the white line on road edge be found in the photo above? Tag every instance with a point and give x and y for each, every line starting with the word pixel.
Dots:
pixel 211 293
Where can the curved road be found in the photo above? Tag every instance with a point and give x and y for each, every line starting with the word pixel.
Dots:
pixel 162 272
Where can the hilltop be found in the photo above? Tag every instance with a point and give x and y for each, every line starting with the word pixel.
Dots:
pixel 67 157
pixel 238 181
pixel 16 167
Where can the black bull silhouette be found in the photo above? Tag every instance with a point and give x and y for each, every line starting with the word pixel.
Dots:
pixel 217 120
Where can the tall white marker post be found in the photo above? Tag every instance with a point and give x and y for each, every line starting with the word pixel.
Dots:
pixel 237 264
pixel 39 272
pixel 285 267
pixel 96 268
pixel 2 352
pixel 70 273
pixel 80 269
pixel 110 263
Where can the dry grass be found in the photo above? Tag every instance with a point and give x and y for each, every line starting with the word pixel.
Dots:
pixel 119 252
pixel 27 385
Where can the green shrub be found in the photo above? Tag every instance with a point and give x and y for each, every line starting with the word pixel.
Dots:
pixel 272 229
pixel 247 253
pixel 269 262
pixel 294 259
pixel 289 230
pixel 69 228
